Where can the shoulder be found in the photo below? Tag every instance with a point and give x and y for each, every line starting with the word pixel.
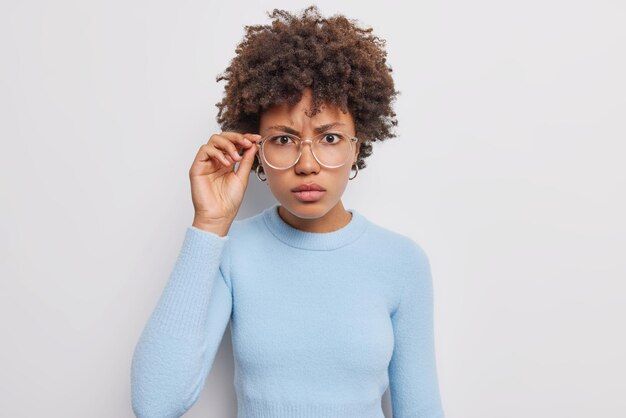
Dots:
pixel 406 260
pixel 398 246
pixel 247 224
pixel 244 237
pixel 248 233
pixel 412 279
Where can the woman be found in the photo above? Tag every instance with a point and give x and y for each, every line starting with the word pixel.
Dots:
pixel 326 308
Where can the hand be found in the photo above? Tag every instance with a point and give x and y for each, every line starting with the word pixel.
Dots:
pixel 217 190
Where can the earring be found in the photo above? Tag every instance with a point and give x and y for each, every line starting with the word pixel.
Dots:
pixel 357 171
pixel 257 173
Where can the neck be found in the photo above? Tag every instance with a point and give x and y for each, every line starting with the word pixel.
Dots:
pixel 335 219
pixel 320 241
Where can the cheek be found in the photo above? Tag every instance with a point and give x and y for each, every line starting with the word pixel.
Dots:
pixel 278 181
pixel 340 179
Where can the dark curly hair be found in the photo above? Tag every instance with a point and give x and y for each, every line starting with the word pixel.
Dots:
pixel 342 63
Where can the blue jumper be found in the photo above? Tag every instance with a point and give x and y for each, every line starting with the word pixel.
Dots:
pixel 321 323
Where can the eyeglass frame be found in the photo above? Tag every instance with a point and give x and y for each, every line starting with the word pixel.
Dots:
pixel 352 139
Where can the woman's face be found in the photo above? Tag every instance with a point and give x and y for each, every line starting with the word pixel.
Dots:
pixel 307 169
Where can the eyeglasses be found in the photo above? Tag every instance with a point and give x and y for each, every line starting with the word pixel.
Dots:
pixel 331 149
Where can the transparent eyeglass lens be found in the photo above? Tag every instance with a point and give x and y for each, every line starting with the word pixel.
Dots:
pixel 331 149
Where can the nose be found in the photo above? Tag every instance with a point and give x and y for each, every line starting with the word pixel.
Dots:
pixel 307 163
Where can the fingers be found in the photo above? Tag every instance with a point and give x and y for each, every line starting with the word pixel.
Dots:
pixel 245 165
pixel 206 153
pixel 225 147
pixel 236 136
pixel 218 155
pixel 240 141
pixel 231 142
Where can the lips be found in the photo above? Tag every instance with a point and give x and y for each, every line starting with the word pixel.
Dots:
pixel 308 187
pixel 309 195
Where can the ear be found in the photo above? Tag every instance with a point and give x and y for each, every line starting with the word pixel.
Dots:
pixel 357 150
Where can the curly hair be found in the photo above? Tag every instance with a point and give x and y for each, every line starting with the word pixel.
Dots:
pixel 344 65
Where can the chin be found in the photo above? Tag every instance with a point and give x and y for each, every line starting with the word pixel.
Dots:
pixel 306 210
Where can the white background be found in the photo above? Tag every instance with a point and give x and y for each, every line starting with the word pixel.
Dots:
pixel 508 170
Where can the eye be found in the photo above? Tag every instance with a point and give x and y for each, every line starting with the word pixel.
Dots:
pixel 332 138
pixel 278 139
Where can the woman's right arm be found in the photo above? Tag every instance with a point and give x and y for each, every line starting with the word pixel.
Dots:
pixel 178 344
pixel 177 347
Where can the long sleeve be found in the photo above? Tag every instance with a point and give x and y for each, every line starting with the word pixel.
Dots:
pixel 176 349
pixel 413 381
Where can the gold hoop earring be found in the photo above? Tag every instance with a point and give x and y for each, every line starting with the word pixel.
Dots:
pixel 257 173
pixel 357 171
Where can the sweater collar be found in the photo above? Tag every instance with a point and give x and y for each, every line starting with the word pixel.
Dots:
pixel 314 240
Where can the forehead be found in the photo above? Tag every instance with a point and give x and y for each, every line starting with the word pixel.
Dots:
pixel 296 116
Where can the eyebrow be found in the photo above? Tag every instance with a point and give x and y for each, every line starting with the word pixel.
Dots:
pixel 318 129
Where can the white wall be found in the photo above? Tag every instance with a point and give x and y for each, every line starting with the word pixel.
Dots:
pixel 507 171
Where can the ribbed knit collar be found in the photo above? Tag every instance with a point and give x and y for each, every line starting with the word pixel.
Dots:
pixel 314 240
